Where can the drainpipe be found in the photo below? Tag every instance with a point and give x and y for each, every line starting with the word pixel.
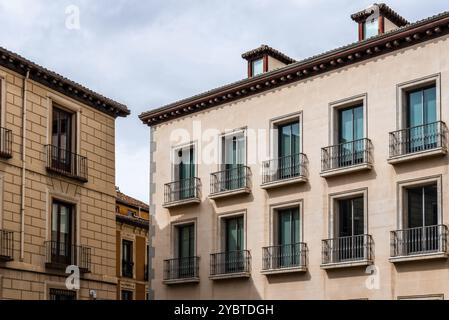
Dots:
pixel 22 204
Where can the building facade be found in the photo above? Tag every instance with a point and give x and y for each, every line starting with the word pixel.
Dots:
pixel 316 179
pixel 57 185
pixel 132 248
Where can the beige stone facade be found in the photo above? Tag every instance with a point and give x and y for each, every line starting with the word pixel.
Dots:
pixel 379 84
pixel 29 188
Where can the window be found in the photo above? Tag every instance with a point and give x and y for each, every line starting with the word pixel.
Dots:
pixel 234 244
pixel 186 250
pixel 184 173
pixel 288 150
pixel 62 232
pixel 62 140
pixel 257 67
pixel 117 209
pixel 371 28
pixel 132 213
pixel 234 160
pixel 288 238
pixel 421 116
pixel 127 259
pixel 62 295
pixel 127 295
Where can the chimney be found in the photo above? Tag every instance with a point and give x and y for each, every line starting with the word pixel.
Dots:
pixel 376 20
pixel 265 59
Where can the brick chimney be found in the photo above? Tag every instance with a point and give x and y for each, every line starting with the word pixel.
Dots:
pixel 376 20
pixel 265 59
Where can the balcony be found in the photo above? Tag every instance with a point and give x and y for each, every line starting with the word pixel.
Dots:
pixel 183 192
pixel 347 252
pixel 232 264
pixel 66 163
pixel 182 270
pixel 5 143
pixel 59 255
pixel 419 243
pixel 127 269
pixel 6 245
pixel 284 259
pixel 418 142
pixel 284 171
pixel 346 158
pixel 230 182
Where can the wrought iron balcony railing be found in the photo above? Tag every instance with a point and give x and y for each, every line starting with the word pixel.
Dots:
pixel 230 262
pixel 230 179
pixel 5 143
pixel 187 189
pixel 181 268
pixel 417 241
pixel 66 163
pixel 127 269
pixel 347 249
pixel 346 155
pixel 284 168
pixel 416 139
pixel 6 245
pixel 284 257
pixel 59 255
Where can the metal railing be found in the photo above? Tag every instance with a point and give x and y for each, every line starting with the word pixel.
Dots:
pixel 5 143
pixel 127 269
pixel 346 154
pixel 182 190
pixel 60 255
pixel 417 241
pixel 6 245
pixel 230 179
pixel 66 163
pixel 347 249
pixel 284 168
pixel 286 256
pixel 230 262
pixel 421 138
pixel 181 268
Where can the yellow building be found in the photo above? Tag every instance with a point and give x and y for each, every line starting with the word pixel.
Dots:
pixel 57 185
pixel 132 248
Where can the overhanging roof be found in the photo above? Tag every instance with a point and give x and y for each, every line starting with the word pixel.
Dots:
pixel 411 34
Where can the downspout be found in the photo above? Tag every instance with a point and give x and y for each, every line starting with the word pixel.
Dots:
pixel 22 203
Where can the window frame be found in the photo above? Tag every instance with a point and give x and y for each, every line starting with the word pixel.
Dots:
pixel 174 236
pixel 132 242
pixel 221 230
pixel 252 66
pixel 221 165
pixel 173 156
pixel 275 123
pixel 274 220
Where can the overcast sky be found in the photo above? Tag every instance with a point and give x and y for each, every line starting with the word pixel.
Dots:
pixel 150 53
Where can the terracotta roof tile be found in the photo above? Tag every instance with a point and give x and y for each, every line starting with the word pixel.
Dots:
pixel 125 199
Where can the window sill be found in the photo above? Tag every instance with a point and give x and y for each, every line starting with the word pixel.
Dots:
pixel 347 264
pixel 181 281
pixel 284 271
pixel 419 257
pixel 227 276
pixel 282 183
pixel 418 155
pixel 346 170
pixel 229 193
pixel 181 203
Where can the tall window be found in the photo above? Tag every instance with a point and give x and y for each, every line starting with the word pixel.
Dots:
pixel 127 259
pixel 257 67
pixel 62 232
pixel 350 227
pixel 127 295
pixel 234 160
pixel 186 250
pixel 185 172
pixel 288 150
pixel 350 133
pixel 62 139
pixel 371 28
pixel 421 118
pixel 234 244
pixel 288 237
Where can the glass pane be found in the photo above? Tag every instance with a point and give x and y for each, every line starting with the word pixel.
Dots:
pixel 371 28
pixel 415 207
pixel 231 235
pixel 344 218
pixel 295 138
pixel 286 141
pixel 415 109
pixel 430 105
pixel 257 66
pixel 431 205
pixel 54 218
pixel 358 123
pixel 359 225
pixel 186 242
pixel 346 126
pixel 285 228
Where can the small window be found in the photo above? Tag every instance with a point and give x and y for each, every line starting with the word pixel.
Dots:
pixel 117 209
pixel 132 213
pixel 127 259
pixel 127 295
pixel 257 67
pixel 371 28
pixel 62 295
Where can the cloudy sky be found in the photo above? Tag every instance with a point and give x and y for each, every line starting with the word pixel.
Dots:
pixel 150 53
